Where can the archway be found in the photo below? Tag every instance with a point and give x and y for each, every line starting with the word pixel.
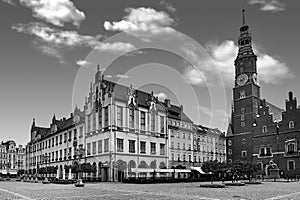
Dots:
pixel 153 164
pixel 131 164
pixel 121 167
pixel 162 165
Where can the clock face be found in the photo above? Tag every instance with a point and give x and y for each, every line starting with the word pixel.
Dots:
pixel 242 79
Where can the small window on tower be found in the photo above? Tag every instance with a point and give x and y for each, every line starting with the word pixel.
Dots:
pixel 242 94
pixel 242 110
pixel 242 117
pixel 242 124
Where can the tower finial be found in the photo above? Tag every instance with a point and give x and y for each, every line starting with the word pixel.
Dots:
pixel 244 21
pixel 98 68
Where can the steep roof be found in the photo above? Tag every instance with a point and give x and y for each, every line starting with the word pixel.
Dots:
pixel 176 112
pixel 275 111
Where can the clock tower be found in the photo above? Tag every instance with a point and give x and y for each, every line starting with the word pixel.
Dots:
pixel 246 95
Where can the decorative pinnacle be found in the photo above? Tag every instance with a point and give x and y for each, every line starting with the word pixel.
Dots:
pixel 244 21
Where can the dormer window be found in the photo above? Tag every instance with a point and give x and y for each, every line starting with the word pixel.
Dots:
pixel 264 129
pixel 291 124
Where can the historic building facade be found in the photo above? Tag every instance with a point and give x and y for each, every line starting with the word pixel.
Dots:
pixel 259 131
pixel 3 155
pixel 126 129
pixel 209 144
pixel 12 157
pixel 180 137
pixel 58 145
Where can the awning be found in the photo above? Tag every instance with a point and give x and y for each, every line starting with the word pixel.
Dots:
pixel 165 170
pixel 142 170
pixel 182 170
pixel 198 169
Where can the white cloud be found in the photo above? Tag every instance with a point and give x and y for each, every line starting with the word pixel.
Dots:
pixel 271 70
pixel 161 96
pixel 142 22
pixel 83 63
pixel 57 12
pixel 115 47
pixel 122 76
pixel 119 76
pixel 269 5
pixel 167 5
pixel 194 76
pixel 55 39
pixel 9 2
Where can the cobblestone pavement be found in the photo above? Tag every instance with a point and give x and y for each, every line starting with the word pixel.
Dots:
pixel 38 191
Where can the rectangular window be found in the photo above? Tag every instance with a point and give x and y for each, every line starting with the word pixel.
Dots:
pixel 143 120
pixel 70 152
pixel 131 146
pixel 60 154
pixel 131 117
pixel 88 148
pixel 106 116
pixel 153 148
pixel 183 135
pixel 99 146
pixel 162 149
pixel 143 147
pixel 65 137
pixel 56 139
pixel 70 136
pixel 94 121
pixel 106 145
pixel 94 147
pixel 178 145
pixel 60 139
pixel 152 121
pixel 88 123
pixel 100 118
pixel 268 151
pixel 75 134
pixel 172 156
pixel 65 153
pixel 80 131
pixel 291 165
pixel 120 145
pixel 178 157
pixel 183 157
pixel 172 145
pixel 162 124
pixel 119 116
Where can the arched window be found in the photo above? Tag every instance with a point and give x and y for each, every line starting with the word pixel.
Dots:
pixel 291 124
pixel 264 129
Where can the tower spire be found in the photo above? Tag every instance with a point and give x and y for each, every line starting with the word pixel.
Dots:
pixel 244 19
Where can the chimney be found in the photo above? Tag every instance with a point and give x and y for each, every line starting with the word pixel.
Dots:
pixel 64 119
pixel 168 103
pixel 71 114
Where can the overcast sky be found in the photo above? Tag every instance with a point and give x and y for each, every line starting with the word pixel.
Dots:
pixel 182 50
